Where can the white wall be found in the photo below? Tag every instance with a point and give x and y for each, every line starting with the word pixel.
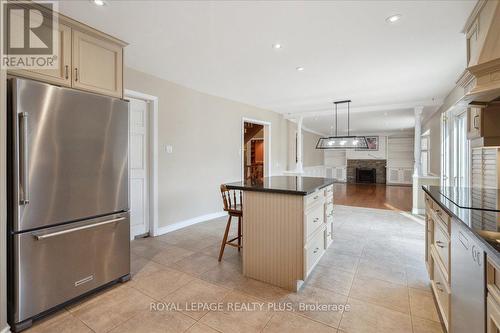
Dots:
pixel 400 152
pixel 205 132
pixel 380 154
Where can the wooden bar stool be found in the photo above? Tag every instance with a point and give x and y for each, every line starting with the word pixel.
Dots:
pixel 233 208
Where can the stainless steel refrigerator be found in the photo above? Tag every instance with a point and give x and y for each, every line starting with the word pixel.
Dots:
pixel 68 209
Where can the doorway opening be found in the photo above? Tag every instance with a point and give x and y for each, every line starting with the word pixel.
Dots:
pixel 143 164
pixel 256 136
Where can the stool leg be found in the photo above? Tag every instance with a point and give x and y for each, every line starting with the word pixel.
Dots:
pixel 239 233
pixel 224 240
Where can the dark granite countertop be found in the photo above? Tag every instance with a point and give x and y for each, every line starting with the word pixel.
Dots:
pixel 483 222
pixel 297 185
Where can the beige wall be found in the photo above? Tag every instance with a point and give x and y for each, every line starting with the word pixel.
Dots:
pixel 205 132
pixel 310 155
pixel 434 125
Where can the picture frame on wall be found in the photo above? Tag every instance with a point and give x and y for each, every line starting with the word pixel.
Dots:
pixel 372 142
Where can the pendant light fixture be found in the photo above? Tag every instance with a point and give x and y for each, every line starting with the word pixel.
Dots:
pixel 342 142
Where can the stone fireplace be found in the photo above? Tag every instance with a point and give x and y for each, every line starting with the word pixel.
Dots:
pixel 366 171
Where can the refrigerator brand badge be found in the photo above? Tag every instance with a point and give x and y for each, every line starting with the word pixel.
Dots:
pixel 29 35
pixel 84 280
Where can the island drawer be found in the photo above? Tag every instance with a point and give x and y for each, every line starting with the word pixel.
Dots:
pixel 328 210
pixel 328 191
pixel 314 249
pixel 428 202
pixel 314 219
pixel 441 244
pixel 441 216
pixel 492 315
pixel 328 234
pixel 493 280
pixel 313 199
pixel 442 292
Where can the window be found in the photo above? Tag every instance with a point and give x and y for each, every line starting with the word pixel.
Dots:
pixel 445 151
pixel 461 152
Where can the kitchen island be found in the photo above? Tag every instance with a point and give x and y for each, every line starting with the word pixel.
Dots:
pixel 463 256
pixel 287 226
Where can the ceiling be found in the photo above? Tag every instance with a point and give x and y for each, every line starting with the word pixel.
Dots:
pixel 346 48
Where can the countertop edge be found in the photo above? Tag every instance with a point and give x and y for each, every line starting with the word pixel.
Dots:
pixel 490 250
pixel 278 191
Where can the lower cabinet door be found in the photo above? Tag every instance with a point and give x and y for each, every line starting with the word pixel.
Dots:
pixel 314 250
pixel 54 265
pixel 493 315
pixel 328 235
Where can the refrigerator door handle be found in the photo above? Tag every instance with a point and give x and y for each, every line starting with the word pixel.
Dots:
pixel 24 156
pixel 62 232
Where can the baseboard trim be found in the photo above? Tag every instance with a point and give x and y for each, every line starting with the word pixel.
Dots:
pixel 418 211
pixel 6 329
pixel 189 222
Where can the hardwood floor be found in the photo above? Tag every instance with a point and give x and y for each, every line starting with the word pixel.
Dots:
pixel 374 196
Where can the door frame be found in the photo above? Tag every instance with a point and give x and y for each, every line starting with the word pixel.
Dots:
pixel 267 145
pixel 153 156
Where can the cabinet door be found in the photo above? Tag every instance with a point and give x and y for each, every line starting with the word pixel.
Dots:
pixel 97 65
pixel 474 123
pixel 62 74
pixel 407 176
pixel 394 175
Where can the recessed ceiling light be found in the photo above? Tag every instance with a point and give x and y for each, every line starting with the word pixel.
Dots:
pixel 98 2
pixel 300 69
pixel 277 46
pixel 393 18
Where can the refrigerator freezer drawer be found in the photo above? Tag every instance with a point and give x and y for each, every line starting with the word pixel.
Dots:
pixel 57 264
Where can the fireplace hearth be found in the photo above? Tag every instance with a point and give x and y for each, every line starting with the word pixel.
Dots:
pixel 366 175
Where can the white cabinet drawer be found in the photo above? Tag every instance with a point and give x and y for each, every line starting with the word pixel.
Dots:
pixel 313 199
pixel 442 293
pixel 328 191
pixel 328 210
pixel 442 246
pixel 314 219
pixel 328 235
pixel 314 249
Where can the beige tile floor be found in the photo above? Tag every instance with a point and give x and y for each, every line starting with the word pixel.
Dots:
pixel 375 266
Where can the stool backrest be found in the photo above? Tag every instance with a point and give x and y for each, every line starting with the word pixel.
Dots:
pixel 230 198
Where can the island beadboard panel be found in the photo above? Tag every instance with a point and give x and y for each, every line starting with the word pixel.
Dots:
pixel 273 241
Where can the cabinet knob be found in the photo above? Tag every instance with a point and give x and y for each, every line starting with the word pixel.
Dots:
pixel 316 219
pixel 316 250
pixel 440 244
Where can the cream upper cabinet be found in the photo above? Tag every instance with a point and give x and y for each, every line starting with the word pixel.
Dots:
pixel 62 74
pixel 97 65
pixel 89 60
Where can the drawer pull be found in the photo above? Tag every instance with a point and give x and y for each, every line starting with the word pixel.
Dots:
pixel 315 197
pixel 316 250
pixel 57 233
pixel 316 220
pixel 438 284
pixel 440 244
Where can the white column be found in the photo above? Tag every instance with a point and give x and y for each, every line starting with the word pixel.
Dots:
pixel 417 169
pixel 299 167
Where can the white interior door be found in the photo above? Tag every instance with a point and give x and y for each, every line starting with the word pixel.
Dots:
pixel 139 166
